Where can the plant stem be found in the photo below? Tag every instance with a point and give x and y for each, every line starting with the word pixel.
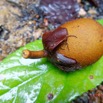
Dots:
pixel 34 54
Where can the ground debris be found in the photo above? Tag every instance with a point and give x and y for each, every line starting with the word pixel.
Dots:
pixel 92 96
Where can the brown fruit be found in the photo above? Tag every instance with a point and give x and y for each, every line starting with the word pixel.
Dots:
pixel 75 44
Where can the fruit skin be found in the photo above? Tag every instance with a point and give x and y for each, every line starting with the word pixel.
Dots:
pixel 75 44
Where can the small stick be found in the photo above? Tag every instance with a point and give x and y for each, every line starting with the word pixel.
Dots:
pixel 34 54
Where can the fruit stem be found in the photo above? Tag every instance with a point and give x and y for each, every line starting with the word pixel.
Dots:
pixel 34 54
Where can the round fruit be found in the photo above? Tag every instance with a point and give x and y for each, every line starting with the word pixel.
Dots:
pixel 73 45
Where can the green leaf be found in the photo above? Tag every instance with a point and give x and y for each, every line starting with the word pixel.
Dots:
pixel 33 80
pixel 100 21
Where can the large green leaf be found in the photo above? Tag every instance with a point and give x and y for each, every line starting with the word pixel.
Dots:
pixel 100 21
pixel 33 80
